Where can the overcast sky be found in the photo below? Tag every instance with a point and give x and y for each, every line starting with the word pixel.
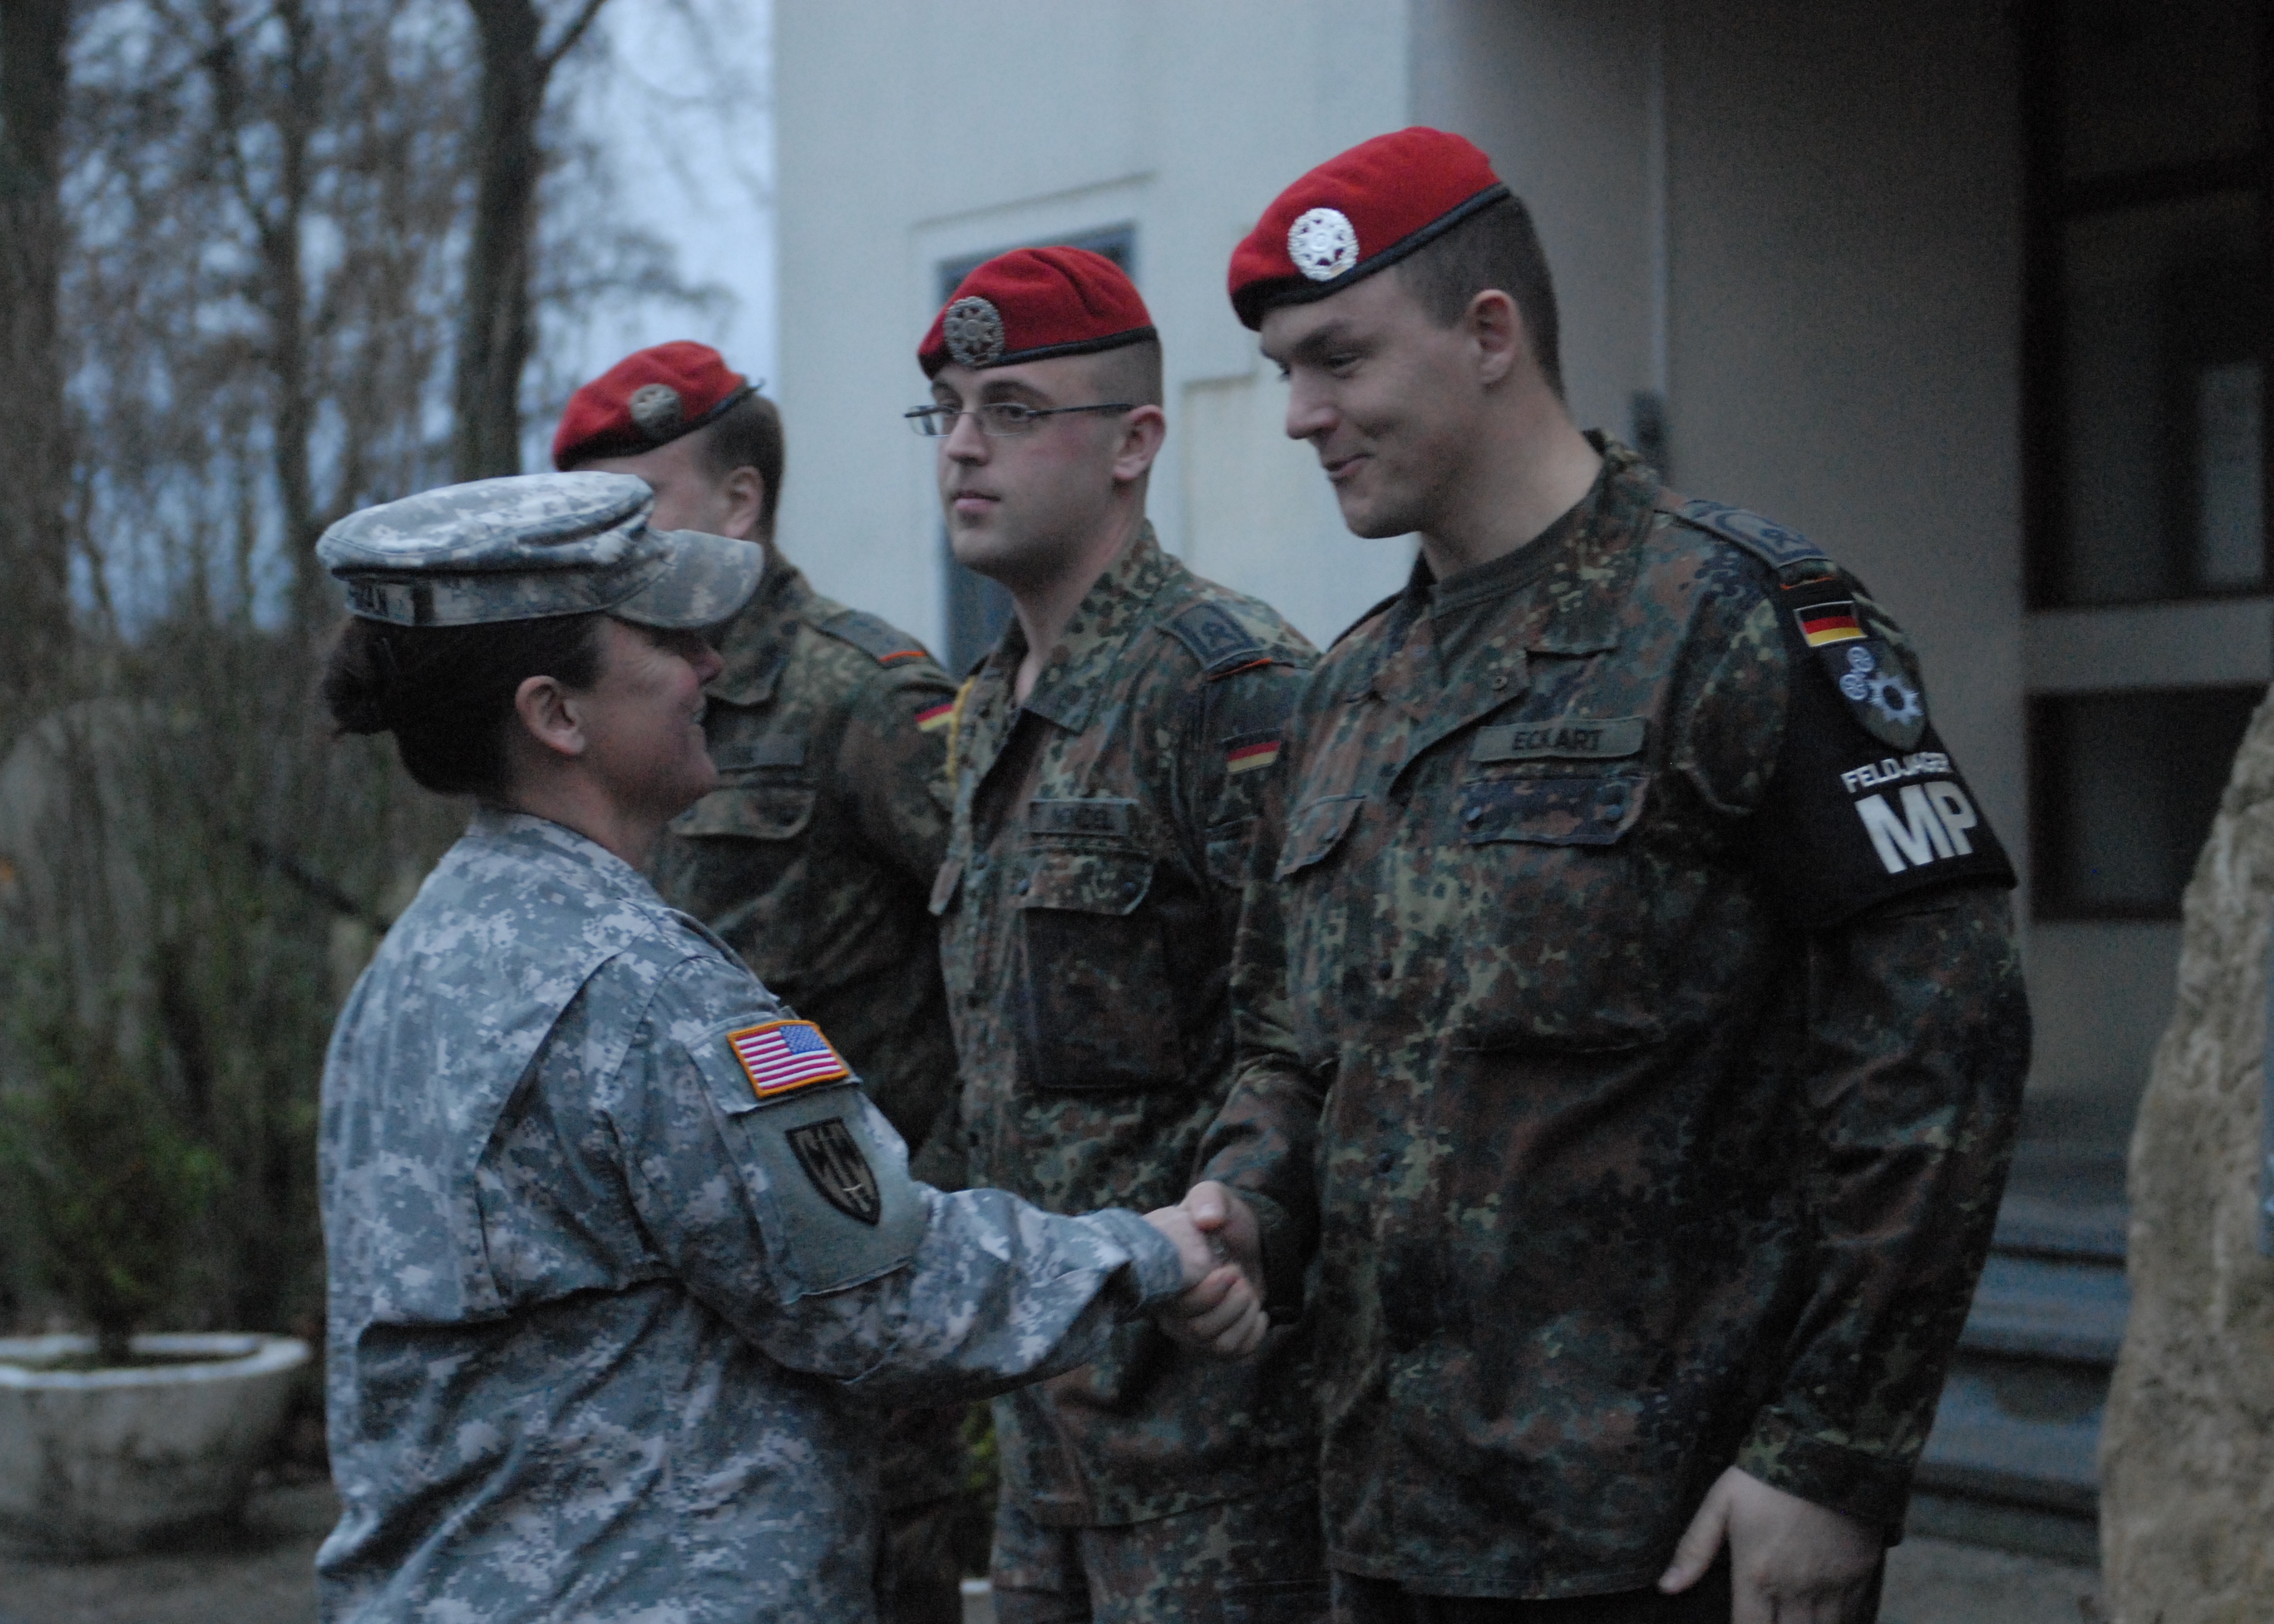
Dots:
pixel 687 112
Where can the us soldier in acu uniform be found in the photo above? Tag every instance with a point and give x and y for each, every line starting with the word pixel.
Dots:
pixel 1632 1029
pixel 609 1232
pixel 815 855
pixel 1110 756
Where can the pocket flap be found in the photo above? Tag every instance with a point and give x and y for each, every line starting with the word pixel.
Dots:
pixel 753 812
pixel 1086 881
pixel 1315 831
pixel 1595 810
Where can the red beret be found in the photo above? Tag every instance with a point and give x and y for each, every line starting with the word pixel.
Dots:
pixel 1034 303
pixel 1357 214
pixel 646 400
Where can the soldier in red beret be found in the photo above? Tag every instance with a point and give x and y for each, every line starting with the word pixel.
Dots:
pixel 1631 1027
pixel 815 855
pixel 1110 754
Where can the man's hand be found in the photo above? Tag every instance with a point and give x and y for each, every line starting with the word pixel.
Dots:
pixel 1791 1561
pixel 1229 1222
pixel 1219 1312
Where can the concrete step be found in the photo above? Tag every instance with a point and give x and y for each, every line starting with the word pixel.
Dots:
pixel 2012 1461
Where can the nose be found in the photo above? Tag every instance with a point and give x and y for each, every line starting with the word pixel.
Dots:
pixel 707 665
pixel 964 442
pixel 1309 413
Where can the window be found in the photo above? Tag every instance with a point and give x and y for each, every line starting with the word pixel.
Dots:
pixel 977 608
pixel 2124 788
pixel 2148 337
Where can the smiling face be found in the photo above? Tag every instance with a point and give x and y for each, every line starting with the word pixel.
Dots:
pixel 1391 401
pixel 642 719
pixel 1020 508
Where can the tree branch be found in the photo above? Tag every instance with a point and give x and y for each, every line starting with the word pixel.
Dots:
pixel 548 60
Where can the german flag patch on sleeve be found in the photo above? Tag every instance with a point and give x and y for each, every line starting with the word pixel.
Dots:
pixel 782 1056
pixel 932 718
pixel 1247 752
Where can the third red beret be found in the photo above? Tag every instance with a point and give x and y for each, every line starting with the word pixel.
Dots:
pixel 1034 302
pixel 1357 214
pixel 648 399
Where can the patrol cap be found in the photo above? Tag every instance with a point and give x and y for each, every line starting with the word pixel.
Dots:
pixel 534 546
pixel 648 399
pixel 1034 302
pixel 1359 211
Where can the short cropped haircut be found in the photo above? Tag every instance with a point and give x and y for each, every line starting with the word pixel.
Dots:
pixel 1130 373
pixel 749 435
pixel 1496 248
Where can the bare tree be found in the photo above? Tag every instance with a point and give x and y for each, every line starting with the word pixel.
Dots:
pixel 498 330
pixel 35 621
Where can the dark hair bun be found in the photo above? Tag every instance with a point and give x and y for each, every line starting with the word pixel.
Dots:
pixel 356 679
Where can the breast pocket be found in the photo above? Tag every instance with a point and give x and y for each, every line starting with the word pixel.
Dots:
pixel 1574 959
pixel 1095 1010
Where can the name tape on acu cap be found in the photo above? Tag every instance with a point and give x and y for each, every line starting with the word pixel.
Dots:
pixel 532 546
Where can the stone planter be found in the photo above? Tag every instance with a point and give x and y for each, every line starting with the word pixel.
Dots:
pixel 102 1462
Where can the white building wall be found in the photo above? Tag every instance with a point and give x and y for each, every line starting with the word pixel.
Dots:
pixel 914 132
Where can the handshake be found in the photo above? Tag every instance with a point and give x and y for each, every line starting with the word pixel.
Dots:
pixel 1221 1309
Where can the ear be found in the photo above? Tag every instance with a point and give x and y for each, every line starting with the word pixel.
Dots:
pixel 745 490
pixel 549 715
pixel 1495 329
pixel 1143 432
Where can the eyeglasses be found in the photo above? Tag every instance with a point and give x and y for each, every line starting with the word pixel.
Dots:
pixel 998 419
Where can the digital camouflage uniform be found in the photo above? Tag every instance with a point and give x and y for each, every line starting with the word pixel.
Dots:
pixel 609 1239
pixel 1088 907
pixel 813 859
pixel 1633 1028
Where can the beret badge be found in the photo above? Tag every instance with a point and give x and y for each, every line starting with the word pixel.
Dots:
pixel 657 408
pixel 974 330
pixel 1323 243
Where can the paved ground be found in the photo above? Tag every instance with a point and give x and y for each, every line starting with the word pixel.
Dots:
pixel 261 1576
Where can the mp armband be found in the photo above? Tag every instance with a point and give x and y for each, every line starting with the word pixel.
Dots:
pixel 1867 804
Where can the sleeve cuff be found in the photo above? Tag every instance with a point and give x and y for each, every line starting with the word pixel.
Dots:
pixel 1156 1273
pixel 1285 1262
pixel 1871 1488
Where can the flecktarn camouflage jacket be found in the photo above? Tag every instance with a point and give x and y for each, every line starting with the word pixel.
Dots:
pixel 1088 907
pixel 1631 1028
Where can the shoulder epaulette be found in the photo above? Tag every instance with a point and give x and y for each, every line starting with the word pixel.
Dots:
pixel 881 641
pixel 1216 638
pixel 1781 549
pixel 1343 635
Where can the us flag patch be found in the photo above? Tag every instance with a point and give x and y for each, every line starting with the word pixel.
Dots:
pixel 781 1056
pixel 1250 751
pixel 932 718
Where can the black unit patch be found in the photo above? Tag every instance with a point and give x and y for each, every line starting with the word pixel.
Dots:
pixel 832 1159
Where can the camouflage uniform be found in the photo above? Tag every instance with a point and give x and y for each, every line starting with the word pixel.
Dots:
pixel 814 856
pixel 813 859
pixel 1087 906
pixel 1641 1118
pixel 600 1274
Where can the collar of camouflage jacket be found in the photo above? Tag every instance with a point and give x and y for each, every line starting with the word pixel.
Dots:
pixel 596 869
pixel 1080 668
pixel 756 643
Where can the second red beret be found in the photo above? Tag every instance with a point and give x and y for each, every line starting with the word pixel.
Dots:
pixel 1034 303
pixel 648 399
